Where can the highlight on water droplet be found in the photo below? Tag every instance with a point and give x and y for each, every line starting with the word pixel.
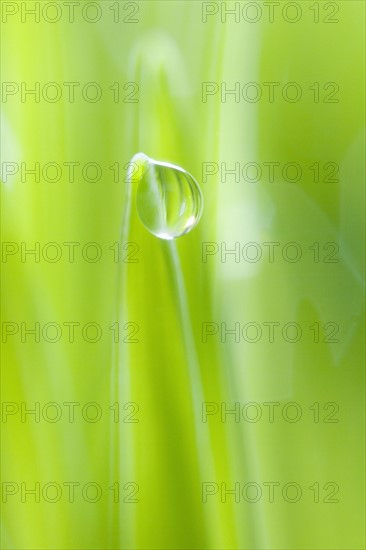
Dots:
pixel 168 198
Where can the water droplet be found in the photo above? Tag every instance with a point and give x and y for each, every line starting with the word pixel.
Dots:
pixel 168 199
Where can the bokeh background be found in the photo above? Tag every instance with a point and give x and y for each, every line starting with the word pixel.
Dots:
pixel 150 59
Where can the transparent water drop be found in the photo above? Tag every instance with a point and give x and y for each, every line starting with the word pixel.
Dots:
pixel 168 199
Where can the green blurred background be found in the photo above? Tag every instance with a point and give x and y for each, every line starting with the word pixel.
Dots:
pixel 166 50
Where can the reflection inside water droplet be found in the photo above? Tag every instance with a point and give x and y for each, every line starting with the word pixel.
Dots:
pixel 168 199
